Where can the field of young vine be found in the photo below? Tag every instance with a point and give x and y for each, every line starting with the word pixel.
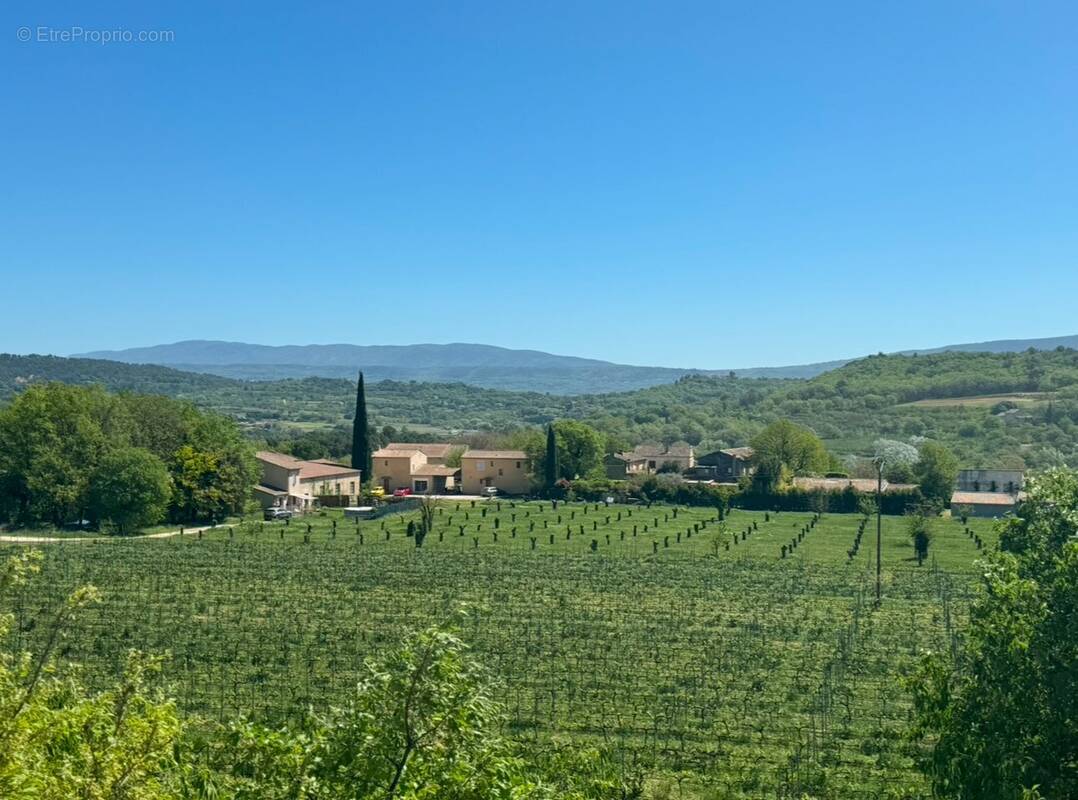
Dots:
pixel 739 657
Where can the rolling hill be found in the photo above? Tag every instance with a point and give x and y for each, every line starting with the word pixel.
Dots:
pixel 965 400
pixel 474 364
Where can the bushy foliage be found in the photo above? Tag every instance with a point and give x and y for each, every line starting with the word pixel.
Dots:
pixel 58 741
pixel 69 453
pixel 669 489
pixel 784 449
pixel 849 408
pixel 419 725
pixel 936 471
pixel 1002 718
pixel 130 488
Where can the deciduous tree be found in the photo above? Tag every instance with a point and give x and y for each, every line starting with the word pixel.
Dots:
pixel 130 489
pixel 1001 719
pixel 936 471
pixel 785 448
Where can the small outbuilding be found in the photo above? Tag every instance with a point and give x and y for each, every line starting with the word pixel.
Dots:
pixel 982 504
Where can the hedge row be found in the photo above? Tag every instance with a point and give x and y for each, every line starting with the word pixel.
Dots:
pixel 702 494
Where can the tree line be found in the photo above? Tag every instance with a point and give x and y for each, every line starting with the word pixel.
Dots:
pixel 75 454
pixel 849 407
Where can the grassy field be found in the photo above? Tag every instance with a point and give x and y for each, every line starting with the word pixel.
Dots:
pixel 690 647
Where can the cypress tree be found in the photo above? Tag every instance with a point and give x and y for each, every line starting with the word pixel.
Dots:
pixel 361 442
pixel 551 463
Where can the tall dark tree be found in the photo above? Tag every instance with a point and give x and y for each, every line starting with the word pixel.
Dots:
pixel 361 438
pixel 550 464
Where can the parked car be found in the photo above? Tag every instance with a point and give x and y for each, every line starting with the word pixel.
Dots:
pixel 402 492
pixel 277 513
pixel 378 491
pixel 490 491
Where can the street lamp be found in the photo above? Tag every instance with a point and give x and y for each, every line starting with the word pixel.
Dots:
pixel 878 461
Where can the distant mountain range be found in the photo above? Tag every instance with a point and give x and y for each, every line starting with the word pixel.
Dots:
pixel 475 364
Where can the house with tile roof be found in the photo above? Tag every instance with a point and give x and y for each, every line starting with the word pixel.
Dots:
pixel 417 466
pixel 725 466
pixel 298 485
pixel 508 471
pixel 983 504
pixel 650 458
pixel 987 492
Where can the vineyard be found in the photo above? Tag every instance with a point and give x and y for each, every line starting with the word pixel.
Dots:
pixel 739 657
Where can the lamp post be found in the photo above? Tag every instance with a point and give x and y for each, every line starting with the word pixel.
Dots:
pixel 878 461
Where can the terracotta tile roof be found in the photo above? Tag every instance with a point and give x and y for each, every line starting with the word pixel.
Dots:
pixel 429 449
pixel 841 484
pixel 983 499
pixel 676 450
pixel 435 469
pixel 740 453
pixel 311 470
pixel 520 455
pixel 646 451
pixel 386 452
pixel 308 470
pixel 278 459
pixel 270 490
pixel 680 449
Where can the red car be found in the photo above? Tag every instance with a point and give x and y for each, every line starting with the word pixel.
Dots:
pixel 402 492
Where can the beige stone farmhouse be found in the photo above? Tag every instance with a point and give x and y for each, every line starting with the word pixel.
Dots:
pixel 418 466
pixel 505 470
pixel 651 458
pixel 294 484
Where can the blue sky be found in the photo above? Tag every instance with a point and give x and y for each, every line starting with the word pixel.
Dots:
pixel 688 184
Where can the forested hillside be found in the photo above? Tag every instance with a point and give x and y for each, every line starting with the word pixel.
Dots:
pixel 17 372
pixel 992 409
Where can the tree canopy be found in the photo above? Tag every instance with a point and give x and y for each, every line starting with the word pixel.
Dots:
pixel 784 448
pixel 936 471
pixel 69 453
pixel 1003 715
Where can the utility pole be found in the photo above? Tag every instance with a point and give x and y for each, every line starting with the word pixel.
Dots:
pixel 879 523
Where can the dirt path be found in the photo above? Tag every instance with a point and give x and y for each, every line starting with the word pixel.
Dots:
pixel 16 539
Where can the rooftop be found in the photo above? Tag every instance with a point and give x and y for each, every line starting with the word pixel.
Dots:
pixel 520 455
pixel 651 450
pixel 425 470
pixel 310 470
pixel 429 449
pixel 983 499
pixel 389 452
pixel 841 484
pixel 307 470
pixel 740 453
pixel 278 459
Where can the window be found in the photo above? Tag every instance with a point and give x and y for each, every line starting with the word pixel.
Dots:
pixel 480 466
pixel 420 486
pixel 500 473
pixel 351 487
pixel 387 462
pixel 492 463
pixel 518 465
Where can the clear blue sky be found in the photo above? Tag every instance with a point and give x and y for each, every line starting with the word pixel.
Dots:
pixel 690 184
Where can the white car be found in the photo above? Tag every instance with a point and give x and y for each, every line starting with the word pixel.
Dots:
pixel 490 491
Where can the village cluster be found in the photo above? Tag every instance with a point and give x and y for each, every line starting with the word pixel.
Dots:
pixel 403 469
